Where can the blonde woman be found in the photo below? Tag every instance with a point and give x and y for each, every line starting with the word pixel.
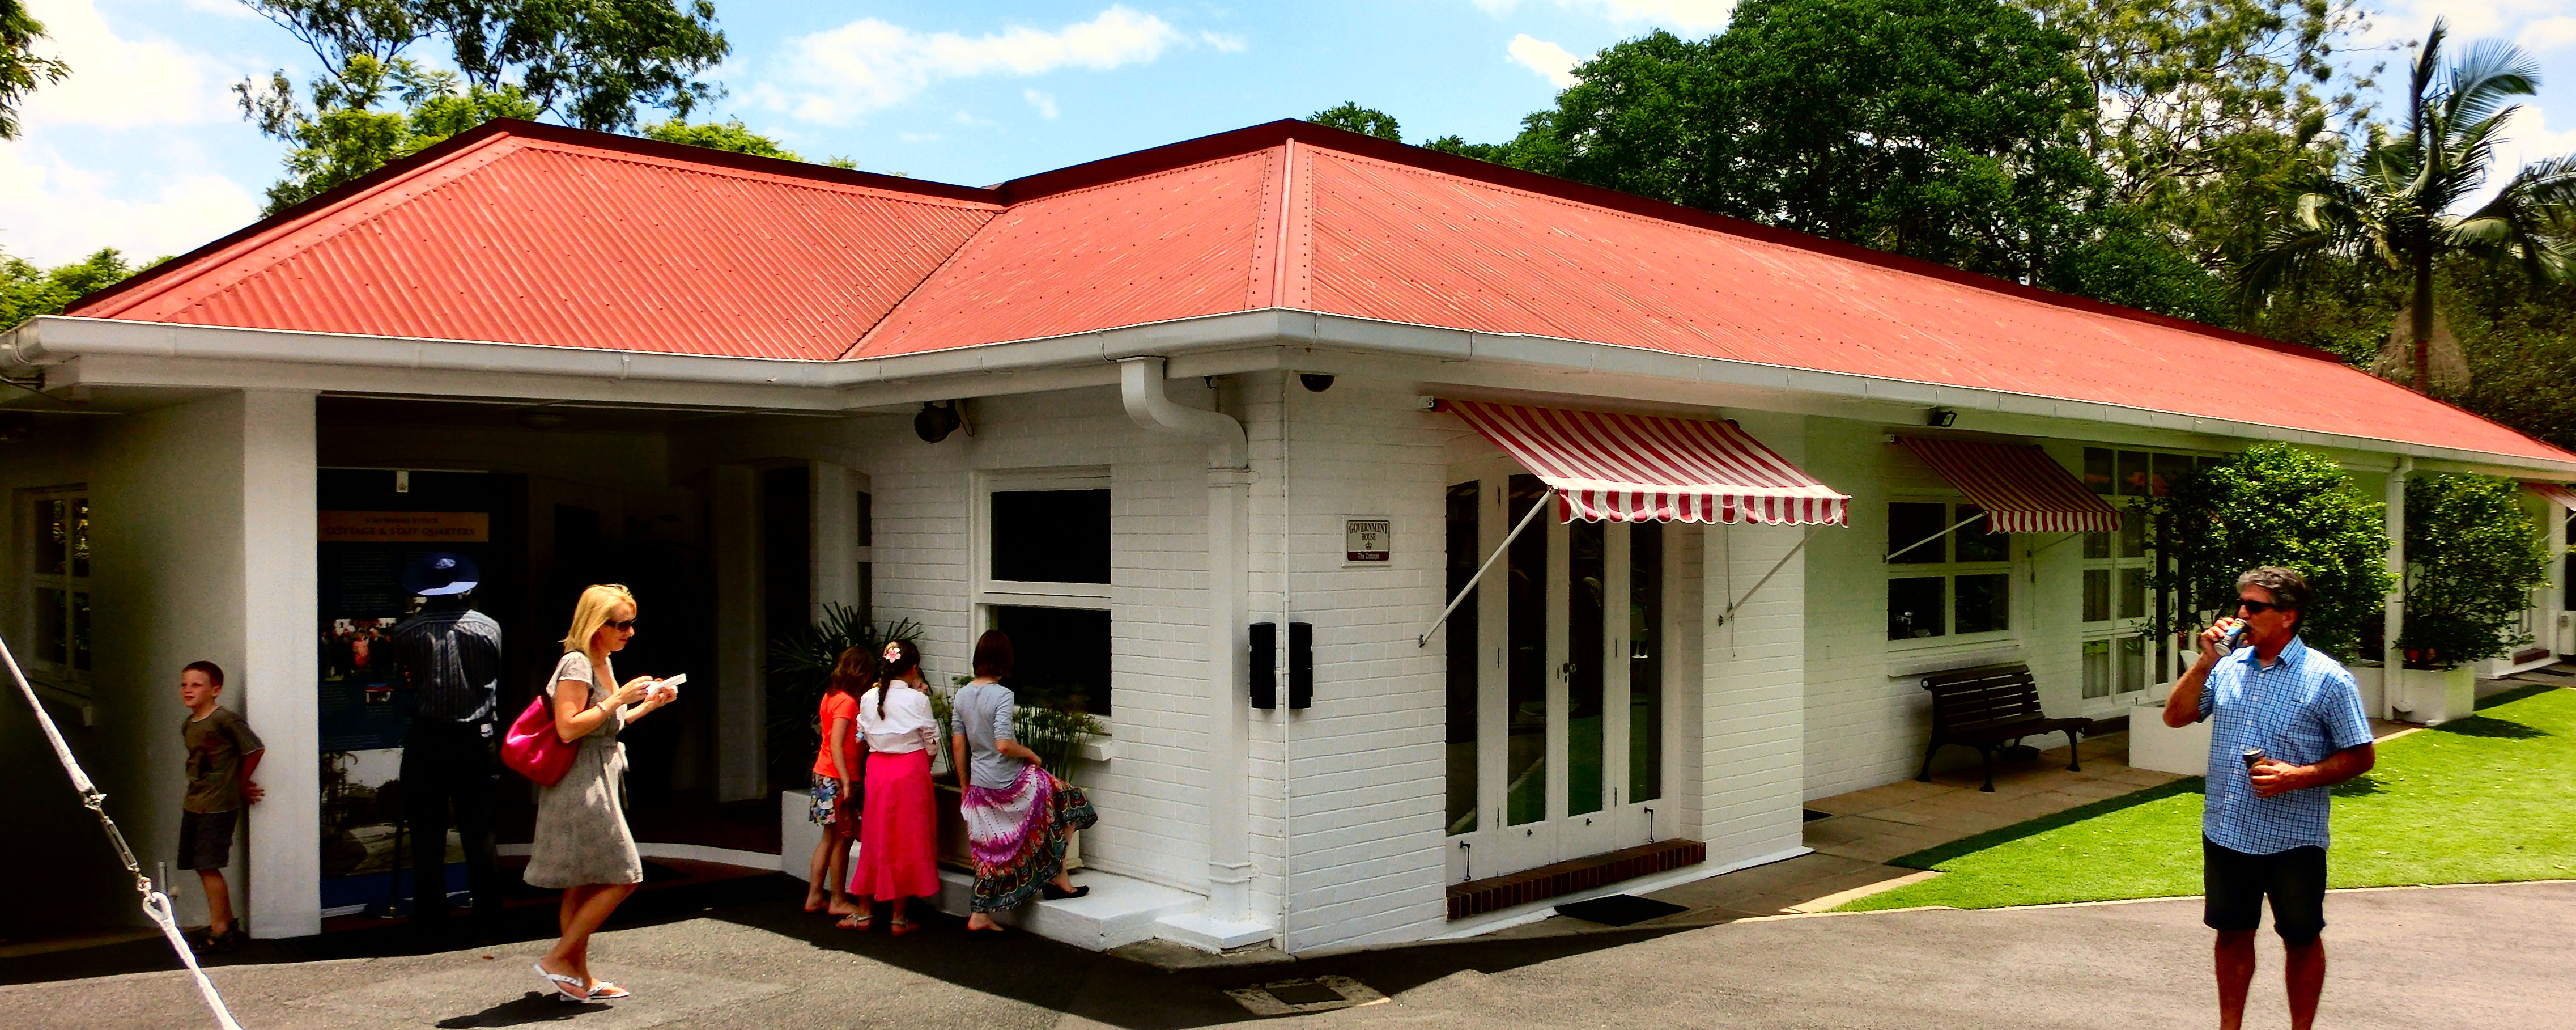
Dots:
pixel 582 845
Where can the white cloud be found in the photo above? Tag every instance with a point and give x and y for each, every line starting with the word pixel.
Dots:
pixel 2403 22
pixel 1686 15
pixel 1551 61
pixel 1223 43
pixel 2526 138
pixel 117 82
pixel 869 65
pixel 52 212
pixel 2549 34
pixel 1044 102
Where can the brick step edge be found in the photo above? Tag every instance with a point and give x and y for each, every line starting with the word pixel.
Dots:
pixel 1477 897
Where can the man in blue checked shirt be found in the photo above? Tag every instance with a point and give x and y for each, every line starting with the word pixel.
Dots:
pixel 2263 831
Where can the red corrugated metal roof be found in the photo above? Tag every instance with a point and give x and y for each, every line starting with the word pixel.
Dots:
pixel 545 235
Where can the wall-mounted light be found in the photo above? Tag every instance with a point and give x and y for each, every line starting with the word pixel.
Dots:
pixel 936 420
pixel 1941 418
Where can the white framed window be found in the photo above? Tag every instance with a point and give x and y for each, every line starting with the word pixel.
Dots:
pixel 1950 586
pixel 58 602
pixel 1042 569
pixel 2118 657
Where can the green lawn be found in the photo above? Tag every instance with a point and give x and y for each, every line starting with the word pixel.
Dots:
pixel 2481 800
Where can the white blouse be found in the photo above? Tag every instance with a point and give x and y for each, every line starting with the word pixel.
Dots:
pixel 906 726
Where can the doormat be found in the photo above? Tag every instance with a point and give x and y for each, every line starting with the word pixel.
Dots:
pixel 1619 910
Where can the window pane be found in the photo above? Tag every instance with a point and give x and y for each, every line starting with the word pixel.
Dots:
pixel 2097 668
pixel 1051 536
pixel 2133 664
pixel 1914 607
pixel 53 541
pixel 2097 470
pixel 80 632
pixel 1977 542
pixel 868 593
pixel 1587 615
pixel 2169 470
pixel 1645 661
pixel 2133 533
pixel 1060 656
pixel 80 536
pixel 1525 758
pixel 2097 545
pixel 1985 603
pixel 1466 551
pixel 53 626
pixel 2133 593
pixel 2097 595
pixel 867 513
pixel 2133 474
pixel 1909 524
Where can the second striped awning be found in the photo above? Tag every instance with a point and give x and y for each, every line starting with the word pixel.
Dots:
pixel 2559 493
pixel 1649 468
pixel 2019 486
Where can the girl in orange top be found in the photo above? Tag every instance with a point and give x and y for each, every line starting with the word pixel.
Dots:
pixel 836 782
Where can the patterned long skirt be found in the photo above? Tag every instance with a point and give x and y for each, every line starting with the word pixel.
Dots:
pixel 1017 835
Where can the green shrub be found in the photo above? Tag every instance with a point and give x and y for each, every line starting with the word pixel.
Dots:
pixel 2472 557
pixel 2275 504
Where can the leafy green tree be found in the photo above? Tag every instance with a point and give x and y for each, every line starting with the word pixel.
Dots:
pixel 2392 207
pixel 27 290
pixel 1366 121
pixel 2472 558
pixel 2275 504
pixel 1949 130
pixel 730 135
pixel 21 71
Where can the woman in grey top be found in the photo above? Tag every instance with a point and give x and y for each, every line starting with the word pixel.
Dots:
pixel 1018 815
pixel 582 844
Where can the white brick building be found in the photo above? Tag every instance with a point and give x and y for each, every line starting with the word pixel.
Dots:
pixel 701 372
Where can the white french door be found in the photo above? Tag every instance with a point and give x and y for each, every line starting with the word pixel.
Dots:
pixel 1557 685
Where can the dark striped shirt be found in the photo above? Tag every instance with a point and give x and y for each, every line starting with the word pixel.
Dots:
pixel 451 661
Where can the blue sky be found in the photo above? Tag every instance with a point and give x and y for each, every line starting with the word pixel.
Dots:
pixel 143 149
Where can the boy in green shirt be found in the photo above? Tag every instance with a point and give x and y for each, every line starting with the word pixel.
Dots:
pixel 222 751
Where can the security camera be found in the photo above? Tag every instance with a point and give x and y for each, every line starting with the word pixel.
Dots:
pixel 1315 382
pixel 936 420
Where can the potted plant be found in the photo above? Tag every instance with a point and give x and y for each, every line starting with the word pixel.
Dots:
pixel 2472 559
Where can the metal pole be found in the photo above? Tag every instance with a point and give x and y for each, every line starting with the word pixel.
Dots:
pixel 1891 555
pixel 1425 639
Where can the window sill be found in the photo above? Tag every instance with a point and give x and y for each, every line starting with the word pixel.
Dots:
pixel 1923 660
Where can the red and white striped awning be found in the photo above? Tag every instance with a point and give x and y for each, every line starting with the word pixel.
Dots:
pixel 2565 497
pixel 1647 468
pixel 2019 486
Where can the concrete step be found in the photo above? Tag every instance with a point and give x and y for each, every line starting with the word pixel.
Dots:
pixel 1119 910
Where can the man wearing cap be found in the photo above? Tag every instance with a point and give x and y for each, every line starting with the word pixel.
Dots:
pixel 449 658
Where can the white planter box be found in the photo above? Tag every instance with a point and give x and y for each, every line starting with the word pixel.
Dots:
pixel 2432 696
pixel 2154 745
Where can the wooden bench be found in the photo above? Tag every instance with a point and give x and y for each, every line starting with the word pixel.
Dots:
pixel 1988 708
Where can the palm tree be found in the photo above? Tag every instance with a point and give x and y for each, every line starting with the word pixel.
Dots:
pixel 2393 205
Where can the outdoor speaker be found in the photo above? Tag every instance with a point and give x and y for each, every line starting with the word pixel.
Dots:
pixel 1301 665
pixel 1265 665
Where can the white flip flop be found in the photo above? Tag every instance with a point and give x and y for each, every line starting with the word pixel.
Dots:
pixel 562 984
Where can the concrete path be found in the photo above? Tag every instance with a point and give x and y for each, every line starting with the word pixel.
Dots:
pixel 2413 957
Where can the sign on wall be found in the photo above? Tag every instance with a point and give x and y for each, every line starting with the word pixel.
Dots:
pixel 1368 540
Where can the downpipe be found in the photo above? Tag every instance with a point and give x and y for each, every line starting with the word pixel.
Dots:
pixel 1229 483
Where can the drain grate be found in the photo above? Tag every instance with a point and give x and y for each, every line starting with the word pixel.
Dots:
pixel 1292 997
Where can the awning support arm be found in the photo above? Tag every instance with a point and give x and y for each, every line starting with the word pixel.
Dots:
pixel 1425 639
pixel 1731 606
pixel 1891 555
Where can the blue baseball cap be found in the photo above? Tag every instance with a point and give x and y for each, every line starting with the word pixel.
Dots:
pixel 441 574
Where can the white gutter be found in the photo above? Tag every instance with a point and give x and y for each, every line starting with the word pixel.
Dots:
pixel 52 339
pixel 1229 496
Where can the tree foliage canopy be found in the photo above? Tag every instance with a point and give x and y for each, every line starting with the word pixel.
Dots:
pixel 730 135
pixel 27 290
pixel 1366 121
pixel 344 134
pixel 21 71
pixel 2472 558
pixel 2276 504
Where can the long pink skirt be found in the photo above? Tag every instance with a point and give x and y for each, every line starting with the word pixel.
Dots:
pixel 898 830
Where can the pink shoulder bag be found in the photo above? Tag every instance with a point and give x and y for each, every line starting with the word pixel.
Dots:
pixel 533 749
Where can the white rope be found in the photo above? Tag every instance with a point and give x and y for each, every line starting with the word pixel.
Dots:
pixel 155 904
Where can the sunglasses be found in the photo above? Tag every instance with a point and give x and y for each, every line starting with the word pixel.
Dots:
pixel 2259 607
pixel 624 626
